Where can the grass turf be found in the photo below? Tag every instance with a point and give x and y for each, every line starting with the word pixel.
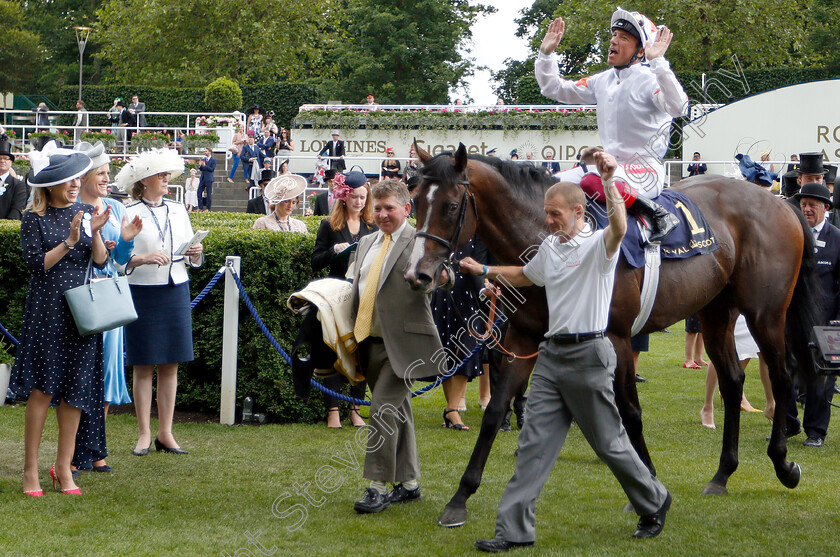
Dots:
pixel 244 481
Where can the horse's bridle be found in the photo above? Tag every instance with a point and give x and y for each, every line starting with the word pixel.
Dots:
pixel 467 199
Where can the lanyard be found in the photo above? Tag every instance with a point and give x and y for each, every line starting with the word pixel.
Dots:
pixel 161 233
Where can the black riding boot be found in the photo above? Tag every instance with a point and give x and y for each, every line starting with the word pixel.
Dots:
pixel 660 219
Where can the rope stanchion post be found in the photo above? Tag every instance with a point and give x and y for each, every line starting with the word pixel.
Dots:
pixel 230 335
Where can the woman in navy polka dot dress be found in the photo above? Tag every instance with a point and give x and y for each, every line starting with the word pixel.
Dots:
pixel 53 363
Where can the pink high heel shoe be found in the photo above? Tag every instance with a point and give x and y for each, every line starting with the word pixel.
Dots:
pixel 35 493
pixel 55 479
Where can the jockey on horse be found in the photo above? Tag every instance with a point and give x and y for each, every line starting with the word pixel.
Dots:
pixel 636 100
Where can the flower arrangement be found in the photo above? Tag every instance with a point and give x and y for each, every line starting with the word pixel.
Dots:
pixel 60 137
pixel 215 121
pixel 149 140
pixel 106 137
pixel 117 163
pixel 192 141
pixel 504 118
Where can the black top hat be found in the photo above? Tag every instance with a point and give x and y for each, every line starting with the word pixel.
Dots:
pixel 815 191
pixel 811 163
pixel 789 183
pixel 329 174
pixel 266 176
pixel 831 174
pixel 6 149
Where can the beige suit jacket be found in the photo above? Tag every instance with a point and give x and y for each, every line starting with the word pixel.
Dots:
pixel 405 315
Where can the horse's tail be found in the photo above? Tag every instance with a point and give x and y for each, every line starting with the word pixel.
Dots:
pixel 804 310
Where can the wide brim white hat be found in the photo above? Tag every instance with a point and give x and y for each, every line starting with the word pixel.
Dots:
pixel 149 163
pixel 285 187
pixel 96 153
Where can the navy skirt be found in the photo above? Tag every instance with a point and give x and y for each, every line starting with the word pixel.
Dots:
pixel 162 333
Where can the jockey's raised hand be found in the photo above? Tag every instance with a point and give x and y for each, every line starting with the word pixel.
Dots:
pixel 552 37
pixel 660 44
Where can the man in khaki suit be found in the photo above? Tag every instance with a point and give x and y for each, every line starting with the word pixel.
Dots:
pixel 397 340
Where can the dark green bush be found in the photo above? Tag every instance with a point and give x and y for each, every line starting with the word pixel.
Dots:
pixel 223 95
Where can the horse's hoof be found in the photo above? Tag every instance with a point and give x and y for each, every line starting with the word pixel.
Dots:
pixel 628 508
pixel 713 488
pixel 453 517
pixel 792 479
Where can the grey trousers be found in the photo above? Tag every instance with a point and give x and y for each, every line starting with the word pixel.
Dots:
pixel 391 447
pixel 572 381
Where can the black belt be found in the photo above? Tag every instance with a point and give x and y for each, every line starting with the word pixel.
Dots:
pixel 575 338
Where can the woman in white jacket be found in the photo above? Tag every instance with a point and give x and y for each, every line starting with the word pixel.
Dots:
pixel 157 273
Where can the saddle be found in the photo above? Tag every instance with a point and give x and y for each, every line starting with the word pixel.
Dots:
pixel 692 236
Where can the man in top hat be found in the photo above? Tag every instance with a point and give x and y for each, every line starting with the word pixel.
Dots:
pixel 335 148
pixel 790 187
pixel 259 205
pixel 323 201
pixel 811 169
pixel 814 200
pixel 13 191
pixel 637 98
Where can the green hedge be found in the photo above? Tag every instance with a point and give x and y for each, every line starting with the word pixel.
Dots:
pixel 273 266
pixel 283 98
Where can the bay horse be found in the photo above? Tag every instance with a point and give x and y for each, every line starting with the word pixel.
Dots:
pixel 764 268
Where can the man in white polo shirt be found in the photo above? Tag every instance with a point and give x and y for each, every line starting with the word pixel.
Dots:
pixel 574 372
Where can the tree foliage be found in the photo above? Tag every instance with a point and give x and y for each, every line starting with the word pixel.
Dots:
pixel 761 33
pixel 825 18
pixel 53 21
pixel 223 95
pixel 21 54
pixel 403 51
pixel 191 42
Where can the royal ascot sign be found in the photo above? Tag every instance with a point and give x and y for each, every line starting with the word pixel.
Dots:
pixel 784 121
pixel 557 144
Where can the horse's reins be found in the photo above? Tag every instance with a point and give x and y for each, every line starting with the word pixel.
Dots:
pixel 468 199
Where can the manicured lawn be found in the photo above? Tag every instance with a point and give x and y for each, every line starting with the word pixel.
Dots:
pixel 239 481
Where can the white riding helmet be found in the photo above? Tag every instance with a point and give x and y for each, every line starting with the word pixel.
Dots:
pixel 634 23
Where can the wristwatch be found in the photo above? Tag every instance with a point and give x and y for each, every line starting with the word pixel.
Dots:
pixel 68 246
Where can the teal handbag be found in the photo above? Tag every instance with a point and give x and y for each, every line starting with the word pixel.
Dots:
pixel 101 304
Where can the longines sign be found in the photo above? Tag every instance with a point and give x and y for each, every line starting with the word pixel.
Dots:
pixel 371 143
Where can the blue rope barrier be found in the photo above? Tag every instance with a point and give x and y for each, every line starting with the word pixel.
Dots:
pixel 437 382
pixel 219 274
pixel 9 336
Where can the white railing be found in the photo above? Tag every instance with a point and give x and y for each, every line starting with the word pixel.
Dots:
pixel 449 107
pixel 23 123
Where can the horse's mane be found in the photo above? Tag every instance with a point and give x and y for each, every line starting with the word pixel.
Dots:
pixel 527 181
